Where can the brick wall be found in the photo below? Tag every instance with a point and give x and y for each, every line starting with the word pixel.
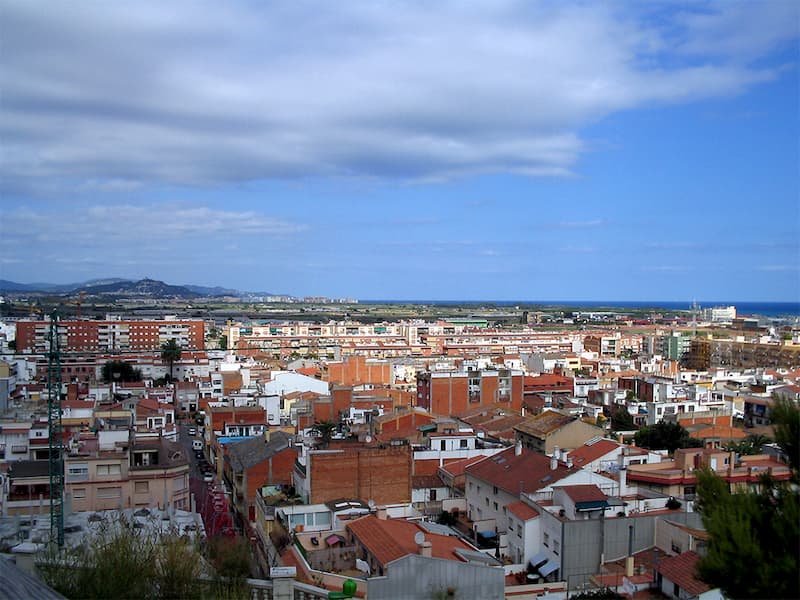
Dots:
pixel 379 474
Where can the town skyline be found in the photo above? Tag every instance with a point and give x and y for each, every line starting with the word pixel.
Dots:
pixel 504 151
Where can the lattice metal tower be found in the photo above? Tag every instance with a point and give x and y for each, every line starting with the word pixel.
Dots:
pixel 55 437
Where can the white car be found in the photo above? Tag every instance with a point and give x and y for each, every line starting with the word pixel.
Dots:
pixel 208 477
pixel 192 431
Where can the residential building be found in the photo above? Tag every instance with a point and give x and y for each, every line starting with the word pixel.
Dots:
pixel 254 463
pixel 112 335
pixel 454 392
pixel 380 474
pixel 552 429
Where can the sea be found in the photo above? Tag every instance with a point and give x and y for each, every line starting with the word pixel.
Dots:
pixel 767 309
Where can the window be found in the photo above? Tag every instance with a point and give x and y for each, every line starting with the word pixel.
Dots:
pixel 77 471
pixel 556 547
pixel 462 443
pixel 109 492
pixel 179 483
pixel 494 490
pixel 78 493
pixel 487 501
pixel 443 445
pixel 108 470
pixel 141 487
pixel 495 506
pixel 546 540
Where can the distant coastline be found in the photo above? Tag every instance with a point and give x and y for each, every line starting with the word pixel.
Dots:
pixel 768 309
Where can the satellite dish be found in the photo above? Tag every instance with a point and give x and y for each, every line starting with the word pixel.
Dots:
pixel 419 537
pixel 368 438
pixel 371 503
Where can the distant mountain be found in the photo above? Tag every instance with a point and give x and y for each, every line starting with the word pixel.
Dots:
pixel 54 288
pixel 149 288
pixel 213 291
pixel 118 286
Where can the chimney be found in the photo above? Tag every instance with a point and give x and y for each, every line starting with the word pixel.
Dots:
pixel 518 448
pixel 553 463
pixel 267 434
pixel 381 513
pixel 623 481
pixel 556 452
pixel 425 548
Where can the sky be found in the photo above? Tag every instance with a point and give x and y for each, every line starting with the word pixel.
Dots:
pixel 495 150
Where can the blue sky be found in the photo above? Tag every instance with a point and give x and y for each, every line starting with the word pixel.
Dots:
pixel 490 150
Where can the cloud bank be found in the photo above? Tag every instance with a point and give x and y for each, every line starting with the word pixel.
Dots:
pixel 111 96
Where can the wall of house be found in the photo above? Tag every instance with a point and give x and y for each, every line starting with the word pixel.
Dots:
pixel 571 435
pixel 379 474
pixel 415 576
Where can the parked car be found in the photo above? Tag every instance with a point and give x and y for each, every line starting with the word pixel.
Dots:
pixel 192 431
pixel 208 477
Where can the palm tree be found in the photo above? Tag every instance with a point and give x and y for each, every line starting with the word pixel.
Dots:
pixel 170 352
pixel 325 431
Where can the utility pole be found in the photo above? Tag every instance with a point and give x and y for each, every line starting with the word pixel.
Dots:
pixel 55 441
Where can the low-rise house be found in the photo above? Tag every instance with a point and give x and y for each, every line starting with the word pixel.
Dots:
pixel 677 477
pixel 676 578
pixel 378 542
pixel 255 462
pixel 551 428
pixel 107 471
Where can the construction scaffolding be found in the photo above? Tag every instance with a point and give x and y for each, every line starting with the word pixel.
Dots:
pixel 55 438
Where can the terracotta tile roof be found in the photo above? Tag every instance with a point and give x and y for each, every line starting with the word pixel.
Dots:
pixel 522 511
pixel 426 467
pixel 527 472
pixel 548 381
pixel 390 539
pixel 591 452
pixel 680 569
pixel 419 482
pixel 703 431
pixel 457 467
pixel 544 423
pixel 584 493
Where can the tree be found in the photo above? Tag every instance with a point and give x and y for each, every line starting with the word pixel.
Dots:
pixel 753 538
pixel 171 353
pixel 119 370
pixel 665 435
pixel 750 445
pixel 124 561
pixel 324 430
pixel 785 417
pixel 621 419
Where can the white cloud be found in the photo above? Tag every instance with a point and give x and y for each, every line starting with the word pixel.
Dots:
pixel 148 226
pixel 110 96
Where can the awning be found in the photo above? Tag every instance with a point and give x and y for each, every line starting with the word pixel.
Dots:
pixel 539 559
pixel 334 538
pixel 548 568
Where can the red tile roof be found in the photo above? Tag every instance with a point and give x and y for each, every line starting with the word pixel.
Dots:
pixel 523 511
pixel 591 452
pixel 390 539
pixel 527 472
pixel 544 423
pixel 457 467
pixel 584 493
pixel 681 569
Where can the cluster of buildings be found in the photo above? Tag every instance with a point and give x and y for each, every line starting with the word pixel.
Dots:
pixel 416 458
